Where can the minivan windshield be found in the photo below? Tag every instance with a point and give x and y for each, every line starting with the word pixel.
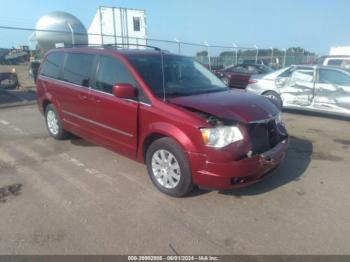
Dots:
pixel 183 76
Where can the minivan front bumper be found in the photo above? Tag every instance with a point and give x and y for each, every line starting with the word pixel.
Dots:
pixel 236 174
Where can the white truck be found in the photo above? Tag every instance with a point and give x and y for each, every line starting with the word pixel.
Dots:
pixel 338 56
pixel 120 26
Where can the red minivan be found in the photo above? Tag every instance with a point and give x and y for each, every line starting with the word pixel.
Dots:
pixel 165 110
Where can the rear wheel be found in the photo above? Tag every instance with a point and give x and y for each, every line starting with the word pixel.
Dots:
pixel 275 97
pixel 54 123
pixel 168 167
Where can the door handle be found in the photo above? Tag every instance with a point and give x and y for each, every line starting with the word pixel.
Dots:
pixel 82 97
pixel 95 100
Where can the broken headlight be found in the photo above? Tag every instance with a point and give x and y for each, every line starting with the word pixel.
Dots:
pixel 221 136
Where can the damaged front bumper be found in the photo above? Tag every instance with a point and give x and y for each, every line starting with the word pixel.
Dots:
pixel 236 174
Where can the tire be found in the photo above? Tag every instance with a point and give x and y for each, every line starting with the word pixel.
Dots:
pixel 54 123
pixel 226 81
pixel 275 97
pixel 179 183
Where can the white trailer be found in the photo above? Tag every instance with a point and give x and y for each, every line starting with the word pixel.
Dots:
pixel 340 50
pixel 114 25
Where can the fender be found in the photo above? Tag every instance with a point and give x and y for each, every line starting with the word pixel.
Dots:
pixel 169 130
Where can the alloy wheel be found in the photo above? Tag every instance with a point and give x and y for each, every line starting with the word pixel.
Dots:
pixel 166 169
pixel 52 122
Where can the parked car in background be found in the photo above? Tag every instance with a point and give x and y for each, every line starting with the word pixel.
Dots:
pixel 237 76
pixel 258 61
pixel 314 88
pixel 8 80
pixel 334 60
pixel 165 110
pixel 269 81
pixel 272 62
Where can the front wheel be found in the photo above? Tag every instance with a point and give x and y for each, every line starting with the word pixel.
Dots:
pixel 168 167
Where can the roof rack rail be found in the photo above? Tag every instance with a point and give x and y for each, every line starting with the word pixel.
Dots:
pixel 80 45
pixel 113 45
pixel 128 44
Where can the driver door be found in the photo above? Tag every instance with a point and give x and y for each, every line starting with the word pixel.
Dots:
pixel 298 89
pixel 114 119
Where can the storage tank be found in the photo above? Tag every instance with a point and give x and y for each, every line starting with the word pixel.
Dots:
pixel 69 29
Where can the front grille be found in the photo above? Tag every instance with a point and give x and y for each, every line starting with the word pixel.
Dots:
pixel 263 136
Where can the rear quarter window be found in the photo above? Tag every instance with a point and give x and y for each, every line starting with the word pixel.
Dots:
pixel 335 62
pixel 52 65
pixel 78 68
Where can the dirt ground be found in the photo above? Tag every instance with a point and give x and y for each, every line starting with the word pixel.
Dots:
pixel 72 197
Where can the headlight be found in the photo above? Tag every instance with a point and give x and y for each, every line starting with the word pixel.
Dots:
pixel 221 136
pixel 278 118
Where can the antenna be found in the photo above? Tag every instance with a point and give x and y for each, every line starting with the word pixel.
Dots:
pixel 163 74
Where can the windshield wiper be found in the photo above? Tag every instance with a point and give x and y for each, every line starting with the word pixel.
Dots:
pixel 212 90
pixel 176 93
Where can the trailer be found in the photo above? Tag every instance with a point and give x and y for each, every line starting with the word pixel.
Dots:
pixel 120 26
pixel 339 50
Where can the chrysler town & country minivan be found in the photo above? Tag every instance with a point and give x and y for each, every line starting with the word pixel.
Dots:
pixel 165 110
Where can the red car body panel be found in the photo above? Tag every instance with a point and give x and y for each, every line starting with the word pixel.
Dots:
pixel 92 115
pixel 238 76
pixel 236 80
pixel 231 104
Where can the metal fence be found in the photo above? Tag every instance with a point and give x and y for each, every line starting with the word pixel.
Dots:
pixel 214 56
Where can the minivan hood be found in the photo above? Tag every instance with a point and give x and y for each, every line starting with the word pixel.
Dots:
pixel 231 105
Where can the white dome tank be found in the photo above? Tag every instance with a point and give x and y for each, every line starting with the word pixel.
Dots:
pixel 63 22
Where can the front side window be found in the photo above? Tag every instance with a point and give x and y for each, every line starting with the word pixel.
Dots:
pixel 252 69
pixel 183 76
pixel 239 69
pixel 303 75
pixel 111 71
pixel 286 73
pixel 52 64
pixel 265 69
pixel 77 69
pixel 327 76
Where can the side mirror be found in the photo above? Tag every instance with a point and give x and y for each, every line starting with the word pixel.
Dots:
pixel 280 81
pixel 124 90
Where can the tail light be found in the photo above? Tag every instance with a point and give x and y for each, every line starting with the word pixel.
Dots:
pixel 252 81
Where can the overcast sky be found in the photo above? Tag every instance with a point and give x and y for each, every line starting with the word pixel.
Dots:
pixel 313 24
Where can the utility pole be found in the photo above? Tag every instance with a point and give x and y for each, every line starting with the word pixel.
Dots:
pixel 207 48
pixel 178 45
pixel 271 54
pixel 235 49
pixel 256 54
